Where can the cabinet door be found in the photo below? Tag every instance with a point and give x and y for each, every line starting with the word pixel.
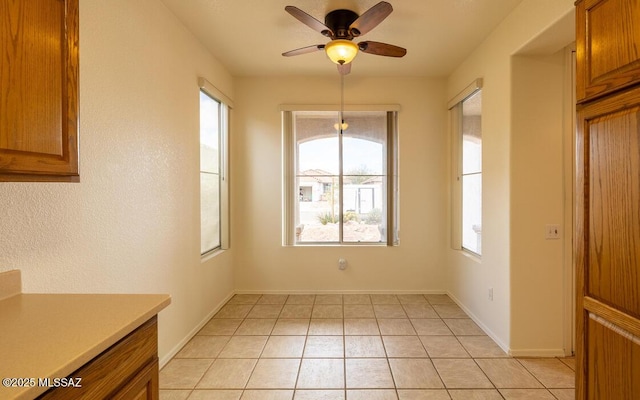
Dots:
pixel 608 247
pixel 39 90
pixel 607 46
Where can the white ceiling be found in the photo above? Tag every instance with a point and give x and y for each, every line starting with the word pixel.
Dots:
pixel 249 36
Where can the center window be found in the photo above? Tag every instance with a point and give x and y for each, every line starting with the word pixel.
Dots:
pixel 343 178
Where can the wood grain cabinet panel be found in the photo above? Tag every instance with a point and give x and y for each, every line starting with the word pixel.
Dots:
pixel 615 374
pixel 144 386
pixel 39 108
pixel 611 128
pixel 607 46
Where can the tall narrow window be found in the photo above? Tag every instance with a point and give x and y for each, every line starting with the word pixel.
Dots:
pixel 341 184
pixel 471 174
pixel 466 112
pixel 213 181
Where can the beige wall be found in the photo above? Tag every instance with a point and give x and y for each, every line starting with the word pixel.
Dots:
pixel 537 199
pixel 132 224
pixel 263 264
pixel 501 267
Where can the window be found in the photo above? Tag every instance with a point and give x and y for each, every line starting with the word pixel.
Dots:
pixel 214 116
pixel 466 114
pixel 341 187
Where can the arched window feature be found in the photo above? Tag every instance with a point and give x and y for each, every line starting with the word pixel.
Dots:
pixel 340 179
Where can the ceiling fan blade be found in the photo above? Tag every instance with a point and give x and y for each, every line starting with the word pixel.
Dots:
pixel 344 69
pixel 303 50
pixel 309 20
pixel 382 49
pixel 370 19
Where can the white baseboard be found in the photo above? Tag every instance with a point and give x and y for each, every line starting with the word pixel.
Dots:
pixel 340 292
pixel 537 353
pixel 482 326
pixel 167 357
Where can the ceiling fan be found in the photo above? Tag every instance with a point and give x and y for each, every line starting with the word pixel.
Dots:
pixel 342 26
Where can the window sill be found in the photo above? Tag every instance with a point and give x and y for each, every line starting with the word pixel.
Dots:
pixel 473 256
pixel 340 245
pixel 212 254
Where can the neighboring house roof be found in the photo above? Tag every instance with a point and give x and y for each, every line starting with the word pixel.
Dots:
pixel 372 180
pixel 315 172
pixel 321 176
pixel 316 175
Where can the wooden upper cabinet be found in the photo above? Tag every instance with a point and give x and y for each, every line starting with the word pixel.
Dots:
pixel 39 110
pixel 607 46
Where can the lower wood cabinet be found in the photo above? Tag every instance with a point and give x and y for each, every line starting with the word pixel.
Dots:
pixel 126 370
pixel 608 247
pixel 143 386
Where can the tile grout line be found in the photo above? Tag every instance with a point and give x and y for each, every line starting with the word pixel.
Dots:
pixel 534 376
pixel 376 318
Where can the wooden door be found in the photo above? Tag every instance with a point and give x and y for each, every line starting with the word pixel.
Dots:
pixel 608 247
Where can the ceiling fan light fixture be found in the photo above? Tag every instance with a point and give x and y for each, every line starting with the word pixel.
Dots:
pixel 341 51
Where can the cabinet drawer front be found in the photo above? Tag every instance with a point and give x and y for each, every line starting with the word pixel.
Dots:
pixel 607 46
pixel 115 367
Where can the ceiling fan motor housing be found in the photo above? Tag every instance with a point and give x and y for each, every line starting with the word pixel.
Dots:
pixel 339 21
pixel 342 26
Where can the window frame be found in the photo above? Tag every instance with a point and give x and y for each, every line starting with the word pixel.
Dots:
pixel 456 134
pixel 224 118
pixel 290 190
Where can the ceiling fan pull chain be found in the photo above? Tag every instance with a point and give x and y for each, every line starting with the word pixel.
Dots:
pixel 341 122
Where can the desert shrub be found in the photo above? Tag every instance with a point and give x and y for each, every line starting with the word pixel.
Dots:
pixel 350 216
pixel 374 217
pixel 326 218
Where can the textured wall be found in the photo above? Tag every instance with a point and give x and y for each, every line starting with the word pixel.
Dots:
pixel 132 224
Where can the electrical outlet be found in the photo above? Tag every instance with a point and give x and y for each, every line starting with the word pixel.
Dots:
pixel 490 293
pixel 552 232
pixel 342 264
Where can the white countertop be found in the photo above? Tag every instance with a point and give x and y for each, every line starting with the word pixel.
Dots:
pixel 52 335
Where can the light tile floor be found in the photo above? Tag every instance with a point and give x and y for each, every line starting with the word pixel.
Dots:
pixel 354 347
